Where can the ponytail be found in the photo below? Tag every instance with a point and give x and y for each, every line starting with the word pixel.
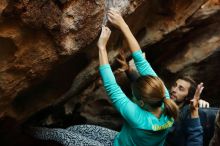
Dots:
pixel 151 90
pixel 171 109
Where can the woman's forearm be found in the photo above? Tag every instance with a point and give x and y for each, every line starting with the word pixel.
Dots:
pixel 101 44
pixel 116 19
pixel 103 57
pixel 132 42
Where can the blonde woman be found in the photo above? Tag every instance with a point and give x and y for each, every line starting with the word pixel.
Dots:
pixel 152 113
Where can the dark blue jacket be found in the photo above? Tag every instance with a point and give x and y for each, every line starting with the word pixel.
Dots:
pixel 193 132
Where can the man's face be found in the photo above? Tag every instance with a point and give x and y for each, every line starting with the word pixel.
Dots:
pixel 179 90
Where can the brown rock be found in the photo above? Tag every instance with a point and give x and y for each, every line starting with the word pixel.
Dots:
pixel 48 53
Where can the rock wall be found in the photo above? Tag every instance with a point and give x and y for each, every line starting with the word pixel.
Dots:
pixel 37 36
pixel 49 60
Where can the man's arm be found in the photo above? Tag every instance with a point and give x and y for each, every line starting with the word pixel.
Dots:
pixel 194 129
pixel 132 74
pixel 194 132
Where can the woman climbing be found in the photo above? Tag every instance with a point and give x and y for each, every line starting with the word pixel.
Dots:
pixel 152 113
pixel 147 118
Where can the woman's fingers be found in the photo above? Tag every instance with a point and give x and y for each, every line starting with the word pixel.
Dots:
pixel 104 37
pixel 122 62
pixel 105 30
pixel 110 17
pixel 108 30
pixel 113 10
pixel 113 13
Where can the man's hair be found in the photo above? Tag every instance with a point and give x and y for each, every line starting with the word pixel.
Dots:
pixel 192 87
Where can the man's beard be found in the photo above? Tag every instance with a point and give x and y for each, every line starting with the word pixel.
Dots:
pixel 178 102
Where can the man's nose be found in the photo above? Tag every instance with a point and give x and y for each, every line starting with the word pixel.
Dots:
pixel 174 89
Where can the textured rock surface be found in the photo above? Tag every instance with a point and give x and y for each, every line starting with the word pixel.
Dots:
pixel 26 56
pixel 193 49
pixel 49 64
pixel 37 35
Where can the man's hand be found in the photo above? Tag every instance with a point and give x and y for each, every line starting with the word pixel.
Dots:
pixel 203 104
pixel 194 103
pixel 122 61
pixel 104 37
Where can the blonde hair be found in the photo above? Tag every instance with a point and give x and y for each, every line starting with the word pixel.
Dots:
pixel 151 90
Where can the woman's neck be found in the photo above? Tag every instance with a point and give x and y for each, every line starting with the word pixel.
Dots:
pixel 156 111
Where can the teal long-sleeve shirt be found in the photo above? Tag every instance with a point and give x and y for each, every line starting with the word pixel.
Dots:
pixel 141 127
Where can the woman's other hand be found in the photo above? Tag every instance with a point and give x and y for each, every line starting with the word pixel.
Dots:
pixel 104 37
